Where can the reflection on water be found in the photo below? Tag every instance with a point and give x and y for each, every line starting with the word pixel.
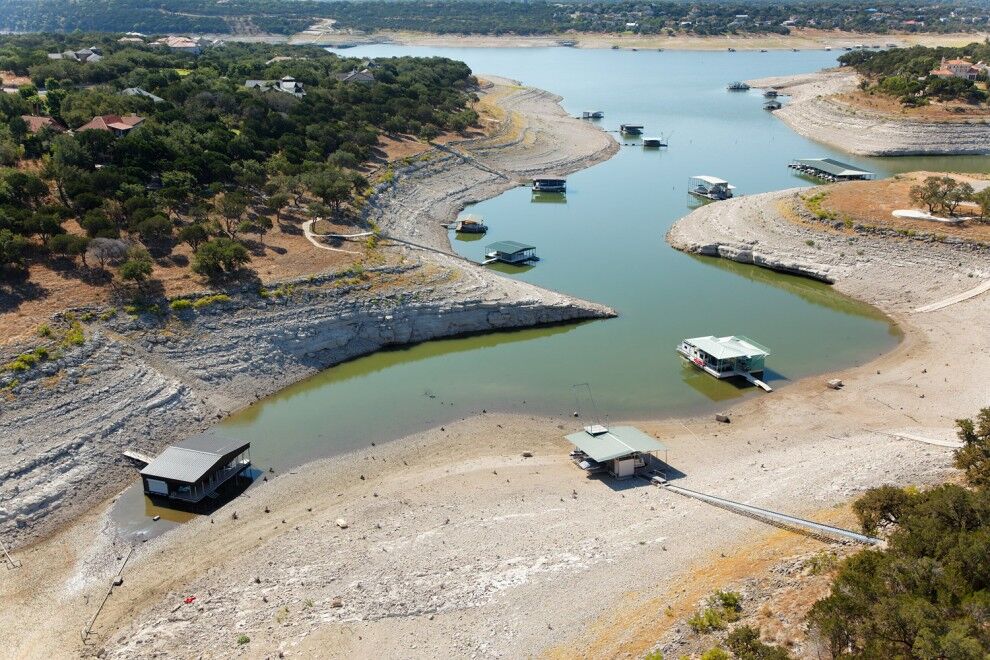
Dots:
pixel 548 198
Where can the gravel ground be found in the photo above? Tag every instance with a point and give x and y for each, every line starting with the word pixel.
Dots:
pixel 813 112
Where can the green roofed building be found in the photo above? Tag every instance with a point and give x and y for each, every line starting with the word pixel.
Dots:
pixel 510 252
pixel 620 450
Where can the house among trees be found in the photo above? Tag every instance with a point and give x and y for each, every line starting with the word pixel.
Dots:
pixel 137 91
pixel 960 69
pixel 287 85
pixel 37 123
pixel 87 55
pixel 364 76
pixel 116 124
pixel 181 44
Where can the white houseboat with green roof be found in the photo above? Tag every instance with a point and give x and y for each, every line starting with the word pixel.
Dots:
pixel 725 357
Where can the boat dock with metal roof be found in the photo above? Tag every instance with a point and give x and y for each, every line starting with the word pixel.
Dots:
pixel 829 169
pixel 509 252
pixel 196 468
pixel 710 187
pixel 725 357
pixel 619 450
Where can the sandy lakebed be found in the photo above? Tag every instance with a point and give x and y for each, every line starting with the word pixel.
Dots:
pixel 816 111
pixel 455 544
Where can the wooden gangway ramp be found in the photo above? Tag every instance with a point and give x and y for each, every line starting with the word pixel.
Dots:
pixel 773 517
pixel 137 457
pixel 756 381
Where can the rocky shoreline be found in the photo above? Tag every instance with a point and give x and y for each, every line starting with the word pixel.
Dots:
pixel 814 112
pixel 143 381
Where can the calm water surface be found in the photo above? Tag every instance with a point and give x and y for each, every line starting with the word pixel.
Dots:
pixel 605 242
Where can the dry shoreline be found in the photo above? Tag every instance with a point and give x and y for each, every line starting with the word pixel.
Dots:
pixel 801 39
pixel 143 382
pixel 456 543
pixel 815 112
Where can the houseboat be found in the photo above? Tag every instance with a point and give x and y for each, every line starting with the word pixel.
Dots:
pixel 510 252
pixel 654 142
pixel 593 114
pixel 620 450
pixel 194 469
pixel 710 187
pixel 773 104
pixel 631 129
pixel 726 357
pixel 738 86
pixel 470 224
pixel 771 93
pixel 549 184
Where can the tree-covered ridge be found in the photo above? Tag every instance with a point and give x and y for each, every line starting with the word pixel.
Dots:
pixel 927 594
pixel 211 162
pixel 906 73
pixel 492 16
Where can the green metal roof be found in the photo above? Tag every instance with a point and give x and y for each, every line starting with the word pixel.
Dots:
pixel 509 247
pixel 833 167
pixel 617 442
pixel 725 348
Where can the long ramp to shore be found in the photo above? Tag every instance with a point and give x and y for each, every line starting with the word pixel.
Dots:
pixel 770 516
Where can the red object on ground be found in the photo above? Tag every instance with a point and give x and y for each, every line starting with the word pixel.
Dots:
pixel 189 599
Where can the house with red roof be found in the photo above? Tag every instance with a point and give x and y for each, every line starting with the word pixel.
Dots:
pixel 959 69
pixel 37 123
pixel 116 124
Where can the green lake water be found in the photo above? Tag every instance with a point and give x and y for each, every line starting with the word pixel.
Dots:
pixel 605 242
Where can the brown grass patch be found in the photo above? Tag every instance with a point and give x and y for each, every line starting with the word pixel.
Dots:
pixel 952 111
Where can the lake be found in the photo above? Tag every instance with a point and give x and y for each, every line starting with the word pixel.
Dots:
pixel 605 242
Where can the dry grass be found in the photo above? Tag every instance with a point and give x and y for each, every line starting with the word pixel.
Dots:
pixel 873 202
pixel 954 111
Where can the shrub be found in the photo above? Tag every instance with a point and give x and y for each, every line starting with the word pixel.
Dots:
pixel 219 256
pixel 181 304
pixel 206 301
pixel 243 639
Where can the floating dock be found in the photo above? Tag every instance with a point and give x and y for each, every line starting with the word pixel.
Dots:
pixel 727 357
pixel 710 187
pixel 829 169
pixel 195 468
pixel 550 184
pixel 620 450
pixel 509 252
pixel 631 129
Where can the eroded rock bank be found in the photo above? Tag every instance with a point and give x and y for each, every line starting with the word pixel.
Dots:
pixel 815 112
pixel 143 382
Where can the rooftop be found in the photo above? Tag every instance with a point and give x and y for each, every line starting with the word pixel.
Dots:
pixel 726 348
pixel 510 247
pixel 192 458
pixel 712 180
pixel 833 167
pixel 615 442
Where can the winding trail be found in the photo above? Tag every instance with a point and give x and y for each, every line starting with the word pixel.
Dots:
pixel 952 300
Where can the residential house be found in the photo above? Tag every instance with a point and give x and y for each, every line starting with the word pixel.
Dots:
pixel 137 91
pixel 181 44
pixel 364 76
pixel 87 55
pixel 37 123
pixel 116 124
pixel 959 69
pixel 287 85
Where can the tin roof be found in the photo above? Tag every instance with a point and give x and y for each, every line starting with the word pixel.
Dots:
pixel 616 442
pixel 510 247
pixel 833 167
pixel 189 460
pixel 725 348
pixel 712 180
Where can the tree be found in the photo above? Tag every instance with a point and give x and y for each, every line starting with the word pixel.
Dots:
pixel 98 225
pixel 932 192
pixel 106 251
pixel 258 224
pixel 880 508
pixel 745 644
pixel 982 199
pixel 138 266
pixel 193 234
pixel 277 202
pixel 219 256
pixel 959 193
pixel 176 189
pixel 69 245
pixel 974 456
pixel 331 185
pixel 154 228
pixel 12 248
pixel 232 206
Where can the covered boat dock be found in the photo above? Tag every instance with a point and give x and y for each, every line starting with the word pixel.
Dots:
pixel 619 450
pixel 509 252
pixel 196 467
pixel 725 357
pixel 829 169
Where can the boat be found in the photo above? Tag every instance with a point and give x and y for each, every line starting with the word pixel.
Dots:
pixel 773 104
pixel 631 129
pixel 549 184
pixel 510 252
pixel 727 357
pixel 654 142
pixel 732 50
pixel 471 224
pixel 710 187
pixel 771 93
pixel 593 114
pixel 738 86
